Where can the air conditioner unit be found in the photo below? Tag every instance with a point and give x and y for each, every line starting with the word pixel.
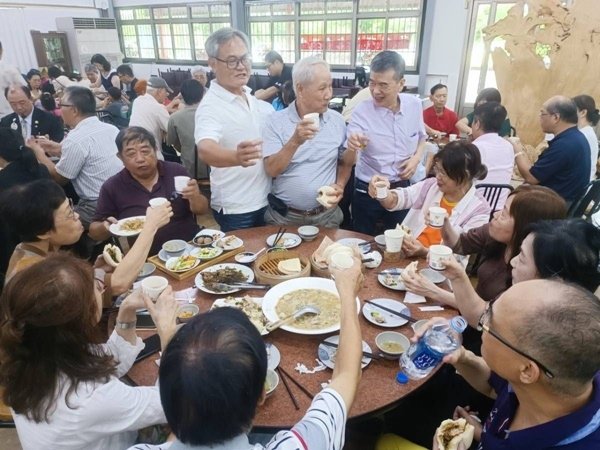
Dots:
pixel 88 36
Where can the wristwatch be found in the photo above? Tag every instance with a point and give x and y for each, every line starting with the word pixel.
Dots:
pixel 125 325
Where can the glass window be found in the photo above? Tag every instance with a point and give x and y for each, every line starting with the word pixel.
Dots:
pixel 130 42
pixel 312 38
pixel 181 38
pixel 160 13
pixel 405 5
pixel 338 45
pixel 372 5
pixel 201 33
pixel 284 40
pixel 261 39
pixel 200 12
pixel 126 14
pixel 221 10
pixel 284 9
pixel 164 42
pixel 146 41
pixel 259 10
pixel 312 7
pixel 142 14
pixel 340 7
pixel 402 37
pixel 180 12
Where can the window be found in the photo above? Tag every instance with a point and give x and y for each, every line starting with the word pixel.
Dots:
pixel 344 32
pixel 170 32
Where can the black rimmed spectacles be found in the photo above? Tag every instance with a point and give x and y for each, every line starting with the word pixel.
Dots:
pixel 482 325
pixel 233 62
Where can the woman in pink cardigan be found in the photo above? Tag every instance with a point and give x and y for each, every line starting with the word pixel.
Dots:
pixel 455 168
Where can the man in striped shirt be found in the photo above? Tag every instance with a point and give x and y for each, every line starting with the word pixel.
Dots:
pixel 88 153
pixel 212 379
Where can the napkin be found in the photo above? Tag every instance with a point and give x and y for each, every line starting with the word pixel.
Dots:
pixel 431 308
pixel 318 254
pixel 188 294
pixel 411 297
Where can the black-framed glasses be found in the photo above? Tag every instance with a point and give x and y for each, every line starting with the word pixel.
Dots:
pixel 232 62
pixel 482 325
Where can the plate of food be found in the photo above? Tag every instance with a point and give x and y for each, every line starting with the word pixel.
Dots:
pixel 182 263
pixel 164 256
pixel 130 226
pixel 251 306
pixel 207 236
pixel 351 242
pixel 206 252
pixel 328 353
pixel 229 243
pixel 287 240
pixel 291 295
pixel 381 317
pixel 392 278
pixel 209 279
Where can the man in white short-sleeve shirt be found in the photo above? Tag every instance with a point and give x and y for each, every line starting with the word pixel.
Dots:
pixel 210 400
pixel 228 134
pixel 88 153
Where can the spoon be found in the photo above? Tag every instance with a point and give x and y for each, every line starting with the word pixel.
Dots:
pixel 312 310
pixel 248 257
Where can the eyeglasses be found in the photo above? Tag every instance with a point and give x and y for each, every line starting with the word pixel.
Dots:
pixel 543 113
pixel 482 325
pixel 71 212
pixel 233 62
pixel 100 285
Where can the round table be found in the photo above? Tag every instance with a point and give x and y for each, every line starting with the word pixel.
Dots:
pixel 378 390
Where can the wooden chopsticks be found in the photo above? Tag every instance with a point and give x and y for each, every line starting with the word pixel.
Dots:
pixel 391 311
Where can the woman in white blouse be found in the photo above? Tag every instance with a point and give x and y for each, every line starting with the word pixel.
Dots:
pixel 60 381
pixel 588 118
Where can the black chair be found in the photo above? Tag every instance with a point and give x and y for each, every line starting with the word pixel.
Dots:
pixel 492 193
pixel 588 204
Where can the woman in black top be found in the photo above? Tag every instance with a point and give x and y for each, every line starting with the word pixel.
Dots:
pixel 22 166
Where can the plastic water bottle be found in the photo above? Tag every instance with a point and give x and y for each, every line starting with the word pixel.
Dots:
pixel 441 339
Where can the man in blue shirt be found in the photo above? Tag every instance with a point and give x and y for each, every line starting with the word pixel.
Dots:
pixel 540 362
pixel 564 164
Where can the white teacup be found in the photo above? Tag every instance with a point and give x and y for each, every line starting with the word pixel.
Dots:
pixel 158 201
pixel 314 117
pixel 437 216
pixel 438 254
pixel 452 137
pixel 154 286
pixel 382 189
pixel 393 240
pixel 180 183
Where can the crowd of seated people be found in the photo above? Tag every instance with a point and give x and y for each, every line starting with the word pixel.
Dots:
pixel 66 176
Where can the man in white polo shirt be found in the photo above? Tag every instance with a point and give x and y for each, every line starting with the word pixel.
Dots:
pixel 228 134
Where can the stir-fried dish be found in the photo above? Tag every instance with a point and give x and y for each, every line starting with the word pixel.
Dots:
pixel 226 275
pixel 327 302
pixel 132 225
pixel 249 307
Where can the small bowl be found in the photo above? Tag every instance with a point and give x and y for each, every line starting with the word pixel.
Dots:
pixel 174 247
pixel 380 241
pixel 393 338
pixel 418 324
pixel 376 257
pixel 243 258
pixel 188 311
pixel 203 240
pixel 308 232
pixel 147 269
pixel 271 382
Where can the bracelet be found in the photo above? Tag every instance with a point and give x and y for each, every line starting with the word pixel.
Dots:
pixel 519 154
pixel 125 325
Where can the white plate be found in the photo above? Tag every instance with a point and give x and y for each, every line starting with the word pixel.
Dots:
pixel 244 269
pixel 397 279
pixel 273 295
pixel 206 252
pixel 172 261
pixel 115 228
pixel 391 320
pixel 290 240
pixel 432 275
pixel 224 303
pixel 351 242
pixel 215 234
pixel 325 353
pixel 273 356
pixel 164 256
pixel 231 245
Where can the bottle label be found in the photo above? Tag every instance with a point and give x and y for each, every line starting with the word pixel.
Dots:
pixel 424 358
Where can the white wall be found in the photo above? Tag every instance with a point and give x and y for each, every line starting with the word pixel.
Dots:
pixel 17 21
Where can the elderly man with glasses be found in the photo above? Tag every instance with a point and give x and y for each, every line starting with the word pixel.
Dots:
pixel 228 134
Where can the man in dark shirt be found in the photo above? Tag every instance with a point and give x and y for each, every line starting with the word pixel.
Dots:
pixel 278 75
pixel 565 165
pixel 128 81
pixel 128 193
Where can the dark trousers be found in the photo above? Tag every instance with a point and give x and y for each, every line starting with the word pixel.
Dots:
pixel 368 216
pixel 230 222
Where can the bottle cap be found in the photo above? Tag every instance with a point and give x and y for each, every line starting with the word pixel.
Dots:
pixel 459 323
pixel 401 378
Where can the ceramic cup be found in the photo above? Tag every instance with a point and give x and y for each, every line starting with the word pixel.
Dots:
pixel 438 254
pixel 393 240
pixel 180 183
pixel 156 202
pixel 314 117
pixel 153 286
pixel 452 137
pixel 437 216
pixel 382 189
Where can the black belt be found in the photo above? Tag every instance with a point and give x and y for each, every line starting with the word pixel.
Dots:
pixel 359 184
pixel 307 212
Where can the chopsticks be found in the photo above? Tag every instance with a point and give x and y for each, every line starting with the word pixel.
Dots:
pixel 287 388
pixel 278 236
pixel 367 243
pixel 399 314
pixel 366 354
pixel 293 380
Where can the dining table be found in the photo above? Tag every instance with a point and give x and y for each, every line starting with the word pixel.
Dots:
pixel 378 391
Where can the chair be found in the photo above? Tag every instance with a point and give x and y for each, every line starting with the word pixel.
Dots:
pixel 588 204
pixel 492 193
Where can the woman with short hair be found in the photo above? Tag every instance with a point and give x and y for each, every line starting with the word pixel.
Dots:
pixel 108 77
pixel 60 380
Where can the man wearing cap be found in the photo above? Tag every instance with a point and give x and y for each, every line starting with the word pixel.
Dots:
pixel 149 112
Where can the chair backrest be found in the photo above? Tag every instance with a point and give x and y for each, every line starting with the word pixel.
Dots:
pixel 492 193
pixel 588 204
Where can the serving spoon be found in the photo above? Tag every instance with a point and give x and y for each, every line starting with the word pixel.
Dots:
pixel 312 310
pixel 248 257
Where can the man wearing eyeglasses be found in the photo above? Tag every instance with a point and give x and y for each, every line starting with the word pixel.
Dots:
pixel 540 362
pixel 565 165
pixel 228 134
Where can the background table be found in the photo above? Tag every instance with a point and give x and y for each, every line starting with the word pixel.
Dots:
pixel 378 390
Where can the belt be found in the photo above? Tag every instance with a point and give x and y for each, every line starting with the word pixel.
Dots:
pixel 393 185
pixel 307 212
